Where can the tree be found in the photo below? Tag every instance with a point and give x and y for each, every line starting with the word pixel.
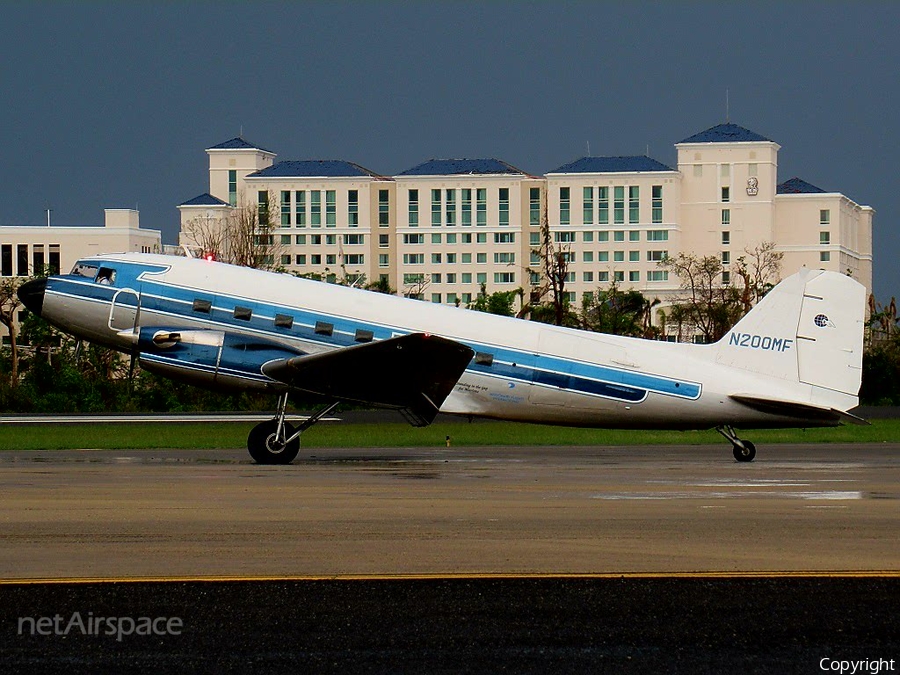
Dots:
pixel 619 312
pixel 759 269
pixel 499 302
pixel 710 306
pixel 9 307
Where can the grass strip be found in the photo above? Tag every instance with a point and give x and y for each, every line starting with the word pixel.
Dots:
pixel 337 435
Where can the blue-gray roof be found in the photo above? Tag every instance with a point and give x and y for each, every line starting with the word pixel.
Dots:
pixel 797 186
pixel 725 133
pixel 314 168
pixel 612 165
pixel 238 144
pixel 453 167
pixel 205 199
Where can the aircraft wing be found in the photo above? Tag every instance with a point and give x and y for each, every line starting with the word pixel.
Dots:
pixel 414 373
pixel 798 410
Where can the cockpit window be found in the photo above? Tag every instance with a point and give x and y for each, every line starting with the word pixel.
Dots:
pixel 106 276
pixel 84 269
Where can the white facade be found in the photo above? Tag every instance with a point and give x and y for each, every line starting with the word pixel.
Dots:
pixel 440 230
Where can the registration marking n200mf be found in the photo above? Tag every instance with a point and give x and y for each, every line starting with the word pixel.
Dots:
pixel 751 341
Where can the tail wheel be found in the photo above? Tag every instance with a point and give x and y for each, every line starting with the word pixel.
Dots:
pixel 266 449
pixel 745 454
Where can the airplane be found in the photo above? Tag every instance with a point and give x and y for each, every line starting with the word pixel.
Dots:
pixel 795 360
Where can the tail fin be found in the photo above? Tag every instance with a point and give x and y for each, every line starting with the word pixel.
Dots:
pixel 808 329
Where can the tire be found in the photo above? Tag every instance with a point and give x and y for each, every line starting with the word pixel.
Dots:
pixel 745 454
pixel 260 444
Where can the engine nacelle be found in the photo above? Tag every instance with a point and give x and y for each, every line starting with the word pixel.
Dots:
pixel 211 358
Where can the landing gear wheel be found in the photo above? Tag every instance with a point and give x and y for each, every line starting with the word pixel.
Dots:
pixel 745 454
pixel 265 449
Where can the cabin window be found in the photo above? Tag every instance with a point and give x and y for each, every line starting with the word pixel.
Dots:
pixel 484 359
pixel 204 306
pixel 364 335
pixel 323 328
pixel 83 269
pixel 284 321
pixel 243 313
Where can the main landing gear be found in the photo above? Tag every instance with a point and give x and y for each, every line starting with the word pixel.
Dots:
pixel 276 441
pixel 744 451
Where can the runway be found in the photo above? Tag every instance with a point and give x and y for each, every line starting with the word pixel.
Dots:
pixel 513 510
pixel 516 559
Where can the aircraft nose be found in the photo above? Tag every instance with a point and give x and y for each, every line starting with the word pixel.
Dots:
pixel 31 294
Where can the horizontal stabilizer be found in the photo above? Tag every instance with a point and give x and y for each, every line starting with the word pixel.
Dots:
pixel 414 373
pixel 801 411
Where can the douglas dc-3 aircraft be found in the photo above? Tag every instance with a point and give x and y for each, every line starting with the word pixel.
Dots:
pixel 794 361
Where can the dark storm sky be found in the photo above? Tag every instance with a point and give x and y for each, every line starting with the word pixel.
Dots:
pixel 112 105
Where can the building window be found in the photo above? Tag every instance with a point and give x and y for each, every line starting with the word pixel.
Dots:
pixel 354 259
pixel 825 256
pixel 534 238
pixel 413 258
pixel 618 256
pixel 22 260
pixel 481 278
pixel 726 216
pixel 466 277
pixel 481 258
pixel 436 238
pixel 564 206
pixel 331 259
pixel 504 207
pixel 587 201
pixel 37 259
pixel 726 238
pixel 564 237
pixel 619 205
pixel 481 238
pixel 534 206
pixel 603 277
pixel 413 239
pixel 451 278
pixel 232 187
pixel 435 258
pixel 726 257
pixel 383 260
pixel 657 235
pixel 466 258
pixel 602 236
pixel 315 208
pixel 353 208
pixel 435 207
pixel 824 238
pixel 53 262
pixel 354 239
pixel 587 256
pixel 657 256
pixel 726 194
pixel 587 237
pixel 824 217
pixel 263 207
pixel 285 207
pixel 634 235
pixel 315 239
pixel 466 207
pixel 634 276
pixel 330 239
pixel 603 205
pixel 285 240
pixel 619 235
pixel 657 275
pixel 384 206
pixel 436 298
pixel 413 208
pixel 619 276
pixel 726 277
pixel 383 241
pixel 505 258
pixel 603 256
pixel 504 277
pixel 634 204
pixel 300 208
pixel 634 256
pixel 300 259
pixel 656 212
pixel 504 237
pixel 481 206
pixel 315 259
pixel 588 277
pixel 451 207
pixel 436 278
